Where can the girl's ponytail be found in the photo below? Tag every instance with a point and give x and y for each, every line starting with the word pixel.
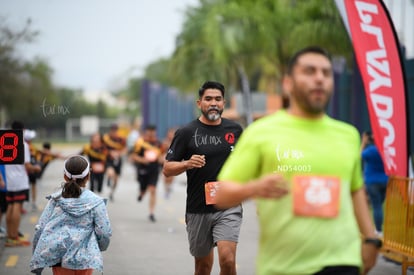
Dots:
pixel 76 173
pixel 71 189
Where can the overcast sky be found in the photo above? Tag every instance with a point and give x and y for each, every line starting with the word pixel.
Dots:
pixel 94 44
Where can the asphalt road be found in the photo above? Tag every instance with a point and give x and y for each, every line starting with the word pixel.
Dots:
pixel 139 246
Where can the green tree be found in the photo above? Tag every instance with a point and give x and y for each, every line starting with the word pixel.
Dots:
pixel 36 89
pixel 11 65
pixel 193 60
pixel 321 25
pixel 132 94
pixel 222 38
pixel 27 90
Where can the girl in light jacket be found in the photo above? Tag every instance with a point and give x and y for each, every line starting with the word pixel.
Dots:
pixel 74 227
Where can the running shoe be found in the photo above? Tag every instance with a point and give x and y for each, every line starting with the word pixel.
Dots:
pixel 16 242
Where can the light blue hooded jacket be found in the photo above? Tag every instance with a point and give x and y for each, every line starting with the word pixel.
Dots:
pixel 73 232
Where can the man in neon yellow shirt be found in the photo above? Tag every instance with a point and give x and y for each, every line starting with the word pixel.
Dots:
pixel 304 169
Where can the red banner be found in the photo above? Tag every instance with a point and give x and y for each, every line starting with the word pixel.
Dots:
pixel 377 53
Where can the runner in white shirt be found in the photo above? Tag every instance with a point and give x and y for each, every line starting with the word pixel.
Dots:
pixel 17 193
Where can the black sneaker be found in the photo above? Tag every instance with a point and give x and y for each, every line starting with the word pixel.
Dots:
pixel 152 218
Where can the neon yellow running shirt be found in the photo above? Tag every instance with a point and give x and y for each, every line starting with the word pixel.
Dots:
pixel 281 143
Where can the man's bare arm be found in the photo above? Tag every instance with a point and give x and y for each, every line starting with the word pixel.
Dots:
pixel 174 168
pixel 366 227
pixel 230 194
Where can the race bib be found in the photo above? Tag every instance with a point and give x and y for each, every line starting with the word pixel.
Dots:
pixel 210 189
pixel 97 167
pixel 316 196
pixel 150 155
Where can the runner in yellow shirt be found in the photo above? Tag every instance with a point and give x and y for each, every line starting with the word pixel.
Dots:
pixel 304 168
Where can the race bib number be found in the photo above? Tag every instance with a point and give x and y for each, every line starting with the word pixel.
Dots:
pixel 316 196
pixel 150 155
pixel 210 189
pixel 98 167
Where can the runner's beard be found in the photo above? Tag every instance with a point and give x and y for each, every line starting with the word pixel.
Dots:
pixel 213 116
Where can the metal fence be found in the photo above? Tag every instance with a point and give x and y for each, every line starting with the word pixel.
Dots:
pixel 165 107
pixel 399 220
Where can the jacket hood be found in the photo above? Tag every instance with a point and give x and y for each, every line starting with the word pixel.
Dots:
pixel 77 206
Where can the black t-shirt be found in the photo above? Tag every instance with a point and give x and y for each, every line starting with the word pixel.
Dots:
pixel 152 167
pixel 216 143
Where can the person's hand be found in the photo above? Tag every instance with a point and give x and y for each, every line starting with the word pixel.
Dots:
pixel 369 256
pixel 37 168
pixel 196 161
pixel 271 186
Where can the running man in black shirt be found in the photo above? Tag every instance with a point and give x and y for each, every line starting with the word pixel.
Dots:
pixel 200 149
pixel 116 146
pixel 147 157
pixel 97 154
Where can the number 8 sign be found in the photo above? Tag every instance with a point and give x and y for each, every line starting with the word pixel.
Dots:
pixel 11 147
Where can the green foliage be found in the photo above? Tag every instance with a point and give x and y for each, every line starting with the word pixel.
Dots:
pixel 219 36
pixel 27 91
pixel 11 67
pixel 193 60
pixel 321 25
pixel 158 71
pixel 132 95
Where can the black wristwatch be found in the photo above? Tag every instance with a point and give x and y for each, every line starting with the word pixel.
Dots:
pixel 376 242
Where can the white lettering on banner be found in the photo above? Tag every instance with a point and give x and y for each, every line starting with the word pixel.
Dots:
pixel 389 151
pixel 378 68
pixel 362 6
pixel 374 31
pixel 382 101
pixel 384 67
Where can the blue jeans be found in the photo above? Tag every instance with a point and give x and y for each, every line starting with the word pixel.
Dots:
pixel 376 194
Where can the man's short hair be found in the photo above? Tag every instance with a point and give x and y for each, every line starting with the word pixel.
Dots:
pixel 311 49
pixel 151 127
pixel 47 145
pixel 211 85
pixel 370 136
